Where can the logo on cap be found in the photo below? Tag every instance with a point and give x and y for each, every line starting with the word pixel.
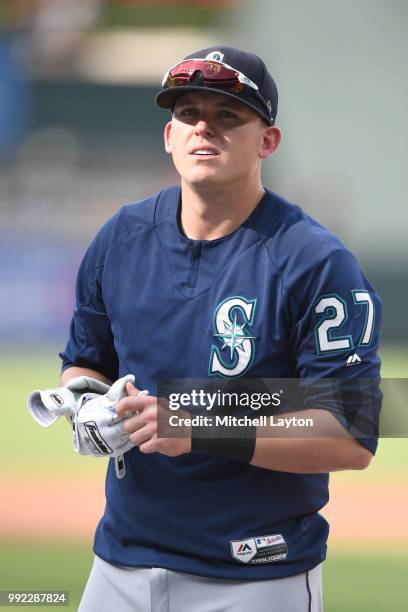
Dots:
pixel 216 56
pixel 269 105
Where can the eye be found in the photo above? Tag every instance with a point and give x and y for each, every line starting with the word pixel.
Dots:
pixel 185 111
pixel 227 114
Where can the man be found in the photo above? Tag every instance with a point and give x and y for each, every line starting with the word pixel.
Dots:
pixel 220 278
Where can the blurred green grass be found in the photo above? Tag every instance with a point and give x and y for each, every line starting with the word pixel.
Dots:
pixel 46 566
pixel 25 446
pixel 352 582
pixel 355 582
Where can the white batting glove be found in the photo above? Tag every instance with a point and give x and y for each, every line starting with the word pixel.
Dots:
pixel 47 406
pixel 97 429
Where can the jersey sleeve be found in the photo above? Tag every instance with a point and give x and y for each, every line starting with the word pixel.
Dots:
pixel 90 343
pixel 336 316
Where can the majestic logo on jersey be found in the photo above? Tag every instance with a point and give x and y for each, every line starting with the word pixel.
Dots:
pixel 244 548
pixel 260 549
pixel 235 351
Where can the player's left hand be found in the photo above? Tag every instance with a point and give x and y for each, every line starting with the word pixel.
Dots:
pixel 143 426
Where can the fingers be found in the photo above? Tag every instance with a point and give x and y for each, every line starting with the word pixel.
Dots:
pixel 131 389
pixel 151 446
pixel 134 403
pixel 133 423
pixel 148 415
pixel 143 426
pixel 143 435
pixel 172 447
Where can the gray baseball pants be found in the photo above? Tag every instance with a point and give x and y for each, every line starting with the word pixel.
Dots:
pixel 159 590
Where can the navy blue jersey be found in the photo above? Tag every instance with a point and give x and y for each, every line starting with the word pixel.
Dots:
pixel 153 303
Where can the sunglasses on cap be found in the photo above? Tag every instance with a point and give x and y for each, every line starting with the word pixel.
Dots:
pixel 207 73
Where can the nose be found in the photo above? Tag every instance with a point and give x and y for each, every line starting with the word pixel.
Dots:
pixel 204 126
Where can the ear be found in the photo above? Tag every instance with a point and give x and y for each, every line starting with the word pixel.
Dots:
pixel 167 137
pixel 272 137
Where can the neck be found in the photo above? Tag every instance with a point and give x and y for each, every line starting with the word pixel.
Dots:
pixel 211 213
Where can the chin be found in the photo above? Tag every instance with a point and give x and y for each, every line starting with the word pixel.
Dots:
pixel 204 178
pixel 206 183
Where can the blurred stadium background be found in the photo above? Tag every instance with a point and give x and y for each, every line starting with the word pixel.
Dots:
pixel 80 135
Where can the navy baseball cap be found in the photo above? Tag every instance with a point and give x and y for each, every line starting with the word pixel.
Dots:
pixel 226 70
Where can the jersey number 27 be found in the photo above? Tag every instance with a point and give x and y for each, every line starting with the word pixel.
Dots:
pixel 335 314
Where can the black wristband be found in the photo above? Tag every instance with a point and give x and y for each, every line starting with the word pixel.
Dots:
pixel 236 443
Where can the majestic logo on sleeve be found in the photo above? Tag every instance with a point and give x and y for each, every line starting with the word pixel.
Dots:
pixel 234 352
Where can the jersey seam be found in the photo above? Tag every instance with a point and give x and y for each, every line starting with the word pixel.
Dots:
pixel 88 343
pixel 340 248
pixel 92 291
pixel 280 273
pixel 121 241
pixel 309 608
pixel 146 223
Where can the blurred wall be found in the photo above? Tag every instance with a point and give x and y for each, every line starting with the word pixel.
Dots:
pixel 342 75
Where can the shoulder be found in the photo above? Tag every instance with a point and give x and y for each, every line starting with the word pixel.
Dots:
pixel 130 220
pixel 306 254
pixel 294 233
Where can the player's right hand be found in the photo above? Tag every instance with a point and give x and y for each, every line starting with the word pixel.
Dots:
pixel 142 424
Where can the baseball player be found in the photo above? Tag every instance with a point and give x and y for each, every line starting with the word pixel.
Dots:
pixel 217 278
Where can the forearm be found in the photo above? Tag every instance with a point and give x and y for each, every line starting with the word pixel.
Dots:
pixel 75 371
pixel 326 447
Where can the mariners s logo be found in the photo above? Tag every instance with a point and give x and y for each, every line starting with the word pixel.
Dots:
pixel 234 351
